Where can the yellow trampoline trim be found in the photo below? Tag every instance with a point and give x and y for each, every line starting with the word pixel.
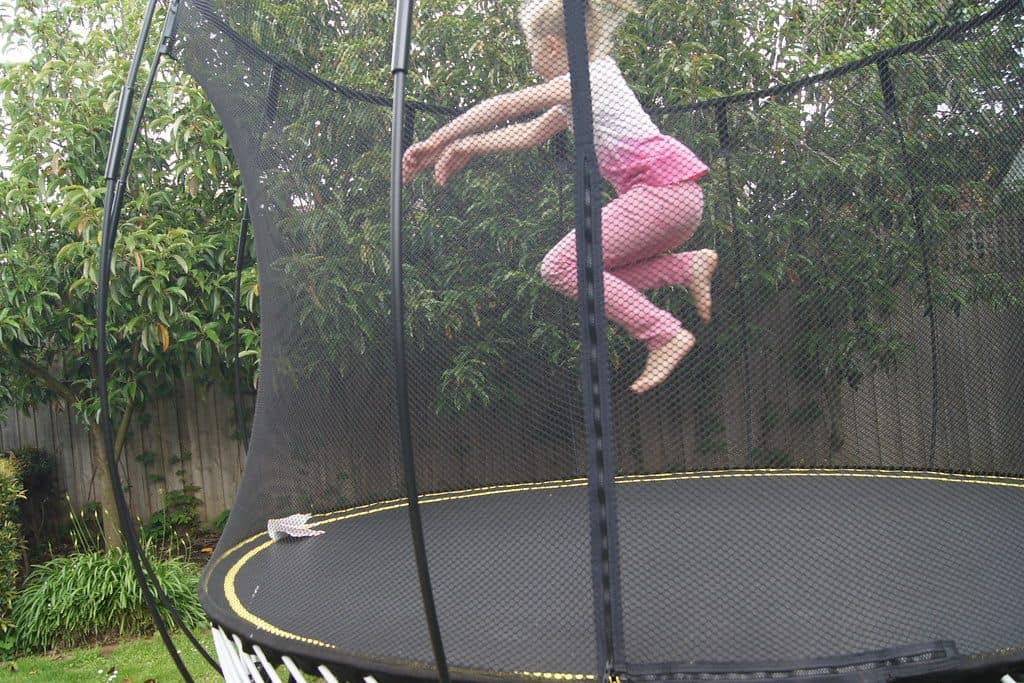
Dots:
pixel 464 494
pixel 240 610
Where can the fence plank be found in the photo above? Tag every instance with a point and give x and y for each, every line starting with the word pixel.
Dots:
pixel 227 449
pixel 82 448
pixel 71 456
pixel 9 431
pixel 62 447
pixel 189 466
pixel 207 453
pixel 168 444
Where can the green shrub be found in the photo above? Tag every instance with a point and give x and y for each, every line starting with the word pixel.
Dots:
pixel 84 596
pixel 178 518
pixel 36 468
pixel 11 543
pixel 220 521
pixel 42 510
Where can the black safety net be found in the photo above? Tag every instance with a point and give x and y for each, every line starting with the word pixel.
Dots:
pixel 771 428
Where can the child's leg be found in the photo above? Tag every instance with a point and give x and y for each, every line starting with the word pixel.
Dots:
pixel 624 305
pixel 639 225
pixel 690 269
pixel 665 270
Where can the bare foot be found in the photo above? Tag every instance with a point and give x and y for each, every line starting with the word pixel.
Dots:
pixel 702 271
pixel 662 361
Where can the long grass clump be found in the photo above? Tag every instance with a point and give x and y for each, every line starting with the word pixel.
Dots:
pixel 92 595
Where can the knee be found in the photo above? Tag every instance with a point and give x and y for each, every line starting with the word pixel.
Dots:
pixel 559 271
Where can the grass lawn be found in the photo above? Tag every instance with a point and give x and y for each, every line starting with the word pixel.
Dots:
pixel 129 661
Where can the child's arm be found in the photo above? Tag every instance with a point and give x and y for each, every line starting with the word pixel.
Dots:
pixel 485 115
pixel 507 139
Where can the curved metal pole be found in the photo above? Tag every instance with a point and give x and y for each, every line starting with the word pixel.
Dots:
pixel 118 162
pixel 243 235
pixel 399 59
pixel 111 210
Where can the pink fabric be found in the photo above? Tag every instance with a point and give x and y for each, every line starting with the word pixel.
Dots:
pixel 638 228
pixel 656 161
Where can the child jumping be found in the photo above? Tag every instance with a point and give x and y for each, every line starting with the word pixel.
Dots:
pixel 659 202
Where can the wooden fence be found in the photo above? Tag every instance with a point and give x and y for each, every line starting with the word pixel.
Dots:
pixel 189 439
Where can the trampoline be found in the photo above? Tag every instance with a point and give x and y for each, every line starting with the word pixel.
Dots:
pixel 484 446
pixel 867 563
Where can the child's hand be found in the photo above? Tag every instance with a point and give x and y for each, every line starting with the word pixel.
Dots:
pixel 419 157
pixel 453 159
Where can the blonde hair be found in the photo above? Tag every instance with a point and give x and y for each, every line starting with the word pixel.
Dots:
pixel 542 18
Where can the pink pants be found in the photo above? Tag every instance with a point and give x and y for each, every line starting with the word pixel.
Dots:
pixel 638 229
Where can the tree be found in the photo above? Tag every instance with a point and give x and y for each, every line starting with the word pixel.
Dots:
pixel 172 285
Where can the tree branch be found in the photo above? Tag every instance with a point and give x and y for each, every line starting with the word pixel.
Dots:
pixel 47 378
pixel 122 428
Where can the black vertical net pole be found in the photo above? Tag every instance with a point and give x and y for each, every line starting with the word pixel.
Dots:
pixel 408 127
pixel 725 150
pixel 594 362
pixel 113 199
pixel 399 61
pixel 892 113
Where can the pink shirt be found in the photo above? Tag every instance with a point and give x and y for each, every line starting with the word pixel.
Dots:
pixel 630 149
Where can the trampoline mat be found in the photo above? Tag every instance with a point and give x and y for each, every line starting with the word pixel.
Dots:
pixel 728 569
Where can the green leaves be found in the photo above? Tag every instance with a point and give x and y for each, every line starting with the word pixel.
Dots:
pixel 171 288
pixel 11 540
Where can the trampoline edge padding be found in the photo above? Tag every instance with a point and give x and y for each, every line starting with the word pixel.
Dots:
pixel 246 587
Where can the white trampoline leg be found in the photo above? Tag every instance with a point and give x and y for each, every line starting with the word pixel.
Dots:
pixel 267 667
pixel 232 669
pixel 293 670
pixel 326 674
pixel 247 660
pixel 239 667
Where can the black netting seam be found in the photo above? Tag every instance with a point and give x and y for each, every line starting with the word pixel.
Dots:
pixel 725 151
pixel 891 104
pixel 915 47
pixel 901 661
pixel 253 50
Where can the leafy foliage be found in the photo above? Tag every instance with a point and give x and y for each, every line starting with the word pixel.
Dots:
pixel 36 468
pixel 817 206
pixel 86 528
pixel 179 517
pixel 220 521
pixel 172 286
pixel 11 543
pixel 74 599
pixel 41 510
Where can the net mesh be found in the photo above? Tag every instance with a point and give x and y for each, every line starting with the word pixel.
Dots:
pixel 824 280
